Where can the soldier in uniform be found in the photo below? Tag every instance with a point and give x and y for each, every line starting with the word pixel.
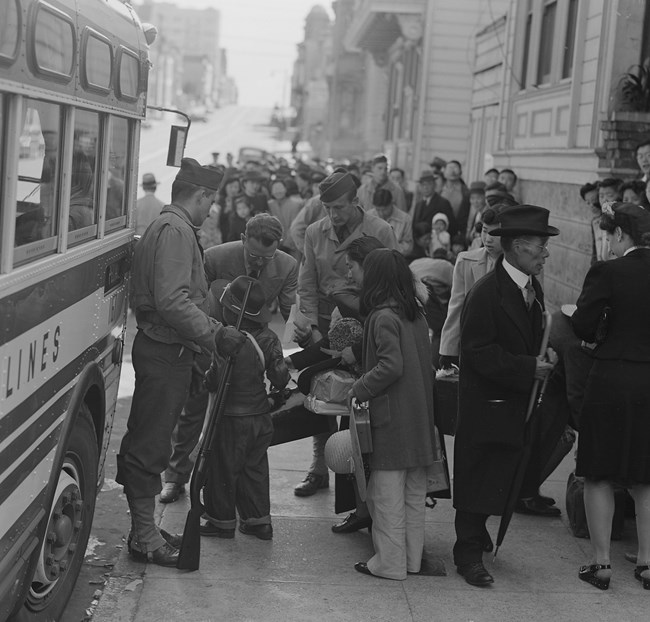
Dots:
pixel 171 307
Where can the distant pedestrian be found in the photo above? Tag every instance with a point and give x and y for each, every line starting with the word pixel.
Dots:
pixel 148 207
pixel 379 179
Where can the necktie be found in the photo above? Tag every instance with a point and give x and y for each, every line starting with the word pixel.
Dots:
pixel 529 290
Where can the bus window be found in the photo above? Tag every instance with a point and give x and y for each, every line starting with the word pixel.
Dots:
pixel 9 27
pixel 115 191
pixel 38 163
pixel 53 42
pixel 82 222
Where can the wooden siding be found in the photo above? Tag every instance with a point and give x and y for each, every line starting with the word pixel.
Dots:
pixel 449 79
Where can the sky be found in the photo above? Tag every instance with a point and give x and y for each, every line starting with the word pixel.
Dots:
pixel 261 38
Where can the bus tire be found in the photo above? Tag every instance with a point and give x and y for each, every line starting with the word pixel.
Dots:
pixel 68 529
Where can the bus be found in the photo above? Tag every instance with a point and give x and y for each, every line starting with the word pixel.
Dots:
pixel 73 87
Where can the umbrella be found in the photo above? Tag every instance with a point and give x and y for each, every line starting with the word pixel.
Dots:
pixel 515 485
pixel 190 551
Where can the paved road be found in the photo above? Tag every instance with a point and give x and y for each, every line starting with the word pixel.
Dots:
pixel 227 130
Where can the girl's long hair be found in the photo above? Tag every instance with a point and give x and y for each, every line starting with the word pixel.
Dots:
pixel 387 280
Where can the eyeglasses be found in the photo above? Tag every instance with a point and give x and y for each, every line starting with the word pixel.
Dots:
pixel 544 247
pixel 261 257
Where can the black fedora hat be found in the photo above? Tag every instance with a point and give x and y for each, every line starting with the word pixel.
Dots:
pixel 524 220
pixel 231 296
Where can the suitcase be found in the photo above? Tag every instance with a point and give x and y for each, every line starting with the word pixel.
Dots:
pixel 575 508
pixel 361 422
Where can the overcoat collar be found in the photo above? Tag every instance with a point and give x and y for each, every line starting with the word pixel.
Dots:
pixel 529 323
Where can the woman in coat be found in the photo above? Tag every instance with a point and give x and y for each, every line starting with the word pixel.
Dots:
pixel 614 441
pixel 399 388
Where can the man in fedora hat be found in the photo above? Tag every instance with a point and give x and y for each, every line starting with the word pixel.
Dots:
pixel 432 203
pixel 237 478
pixel 501 328
pixel 148 207
pixel 324 271
pixel 251 183
pixel 173 328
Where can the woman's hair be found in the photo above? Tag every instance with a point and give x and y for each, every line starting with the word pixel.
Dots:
pixel 388 280
pixel 360 248
pixel 632 219
pixel 382 197
pixel 291 186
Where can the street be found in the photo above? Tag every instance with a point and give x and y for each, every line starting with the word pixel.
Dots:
pixel 227 130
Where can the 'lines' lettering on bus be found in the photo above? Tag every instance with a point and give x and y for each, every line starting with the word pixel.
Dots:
pixel 31 359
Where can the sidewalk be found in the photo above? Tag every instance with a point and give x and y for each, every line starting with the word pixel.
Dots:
pixel 306 572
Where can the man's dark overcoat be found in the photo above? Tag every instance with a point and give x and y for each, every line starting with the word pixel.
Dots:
pixel 500 340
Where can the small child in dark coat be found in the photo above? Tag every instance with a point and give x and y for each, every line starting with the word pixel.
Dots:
pixel 237 478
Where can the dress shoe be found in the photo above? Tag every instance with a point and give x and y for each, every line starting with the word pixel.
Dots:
pixel 311 484
pixel 362 567
pixel 535 507
pixel 589 574
pixel 212 531
pixel 645 581
pixel 171 492
pixel 631 557
pixel 263 532
pixel 166 555
pixel 476 574
pixel 352 523
pixel 546 500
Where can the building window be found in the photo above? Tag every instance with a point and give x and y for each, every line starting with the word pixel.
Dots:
pixel 548 42
pixel 545 58
pixel 570 39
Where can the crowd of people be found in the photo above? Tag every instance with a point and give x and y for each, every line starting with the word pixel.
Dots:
pixel 445 278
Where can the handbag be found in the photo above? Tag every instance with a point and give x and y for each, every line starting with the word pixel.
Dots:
pixel 437 473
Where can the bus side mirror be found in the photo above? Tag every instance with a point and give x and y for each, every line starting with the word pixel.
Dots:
pixel 177 140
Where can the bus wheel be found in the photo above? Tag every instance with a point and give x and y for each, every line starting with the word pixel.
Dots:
pixel 68 529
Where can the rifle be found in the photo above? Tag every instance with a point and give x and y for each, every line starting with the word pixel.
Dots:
pixel 190 552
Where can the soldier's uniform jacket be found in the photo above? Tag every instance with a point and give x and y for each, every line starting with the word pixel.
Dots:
pixel 170 287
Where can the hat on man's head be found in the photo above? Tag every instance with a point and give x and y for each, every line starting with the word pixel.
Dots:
pixel 317 176
pixel 204 176
pixel 231 295
pixel 380 158
pixel 524 220
pixel 336 185
pixel 149 179
pixel 252 176
pixel 427 177
pixel 477 187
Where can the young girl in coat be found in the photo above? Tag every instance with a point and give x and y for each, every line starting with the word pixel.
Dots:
pixel 397 381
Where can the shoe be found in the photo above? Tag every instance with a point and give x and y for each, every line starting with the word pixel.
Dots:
pixel 631 557
pixel 535 507
pixel 546 500
pixel 352 523
pixel 476 574
pixel 311 484
pixel 645 581
pixel 263 532
pixel 166 555
pixel 362 567
pixel 212 531
pixel 175 539
pixel 588 574
pixel 171 492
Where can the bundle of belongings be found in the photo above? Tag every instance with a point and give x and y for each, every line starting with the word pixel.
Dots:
pixel 327 384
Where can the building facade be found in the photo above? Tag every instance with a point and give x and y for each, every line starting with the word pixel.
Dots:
pixel 546 102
